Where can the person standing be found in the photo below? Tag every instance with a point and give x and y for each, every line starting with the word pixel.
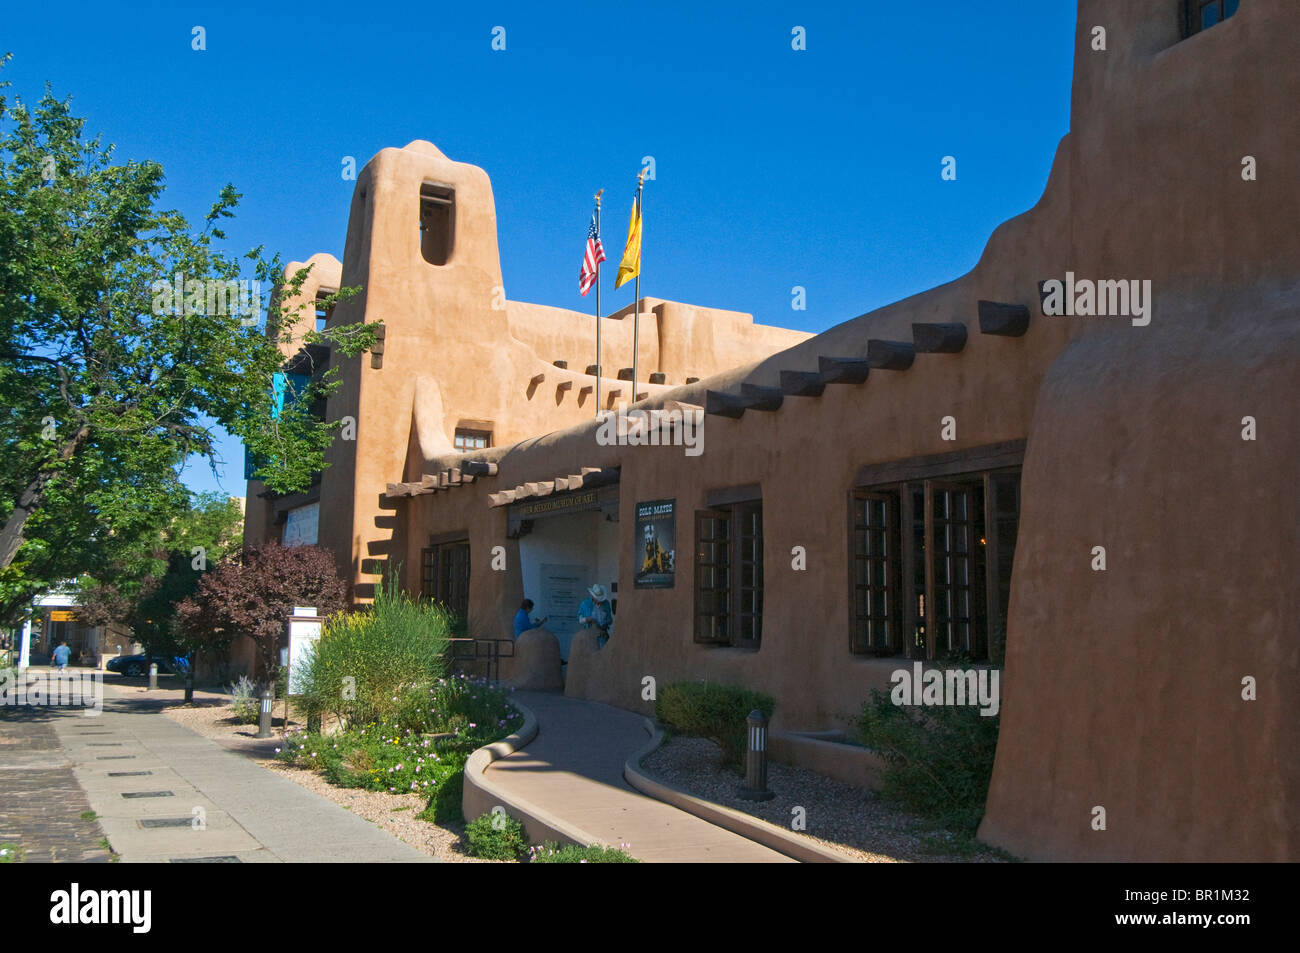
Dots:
pixel 596 610
pixel 61 655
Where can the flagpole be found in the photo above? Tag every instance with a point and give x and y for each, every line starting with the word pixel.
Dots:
pixel 598 368
pixel 636 287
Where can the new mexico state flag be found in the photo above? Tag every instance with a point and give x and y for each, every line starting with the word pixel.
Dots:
pixel 630 266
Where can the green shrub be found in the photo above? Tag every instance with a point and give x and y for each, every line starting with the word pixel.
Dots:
pixel 713 711
pixel 245 700
pixel 496 836
pixel 553 853
pixel 938 759
pixel 377 665
pixel 445 805
pixel 465 713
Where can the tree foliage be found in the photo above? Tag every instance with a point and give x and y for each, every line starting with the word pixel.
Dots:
pixel 144 587
pixel 108 381
pixel 254 592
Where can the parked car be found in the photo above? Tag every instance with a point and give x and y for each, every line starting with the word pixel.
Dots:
pixel 139 664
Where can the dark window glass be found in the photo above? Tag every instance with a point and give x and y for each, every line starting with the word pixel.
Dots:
pixel 729 575
pixel 875 573
pixel 444 575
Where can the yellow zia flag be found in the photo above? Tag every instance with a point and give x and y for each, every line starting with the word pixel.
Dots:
pixel 630 266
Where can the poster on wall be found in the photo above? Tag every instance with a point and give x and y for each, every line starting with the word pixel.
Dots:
pixel 656 534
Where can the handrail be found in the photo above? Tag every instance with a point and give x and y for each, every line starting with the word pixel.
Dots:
pixel 489 650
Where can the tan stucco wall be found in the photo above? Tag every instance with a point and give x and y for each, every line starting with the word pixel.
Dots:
pixel 456 348
pixel 1121 689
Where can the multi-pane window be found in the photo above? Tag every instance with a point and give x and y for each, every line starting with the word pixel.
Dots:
pixel 713 576
pixel 729 574
pixel 472 439
pixel 930 565
pixel 444 575
pixel 1200 15
pixel 953 517
pixel 876 542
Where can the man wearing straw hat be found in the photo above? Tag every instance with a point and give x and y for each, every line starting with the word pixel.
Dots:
pixel 596 610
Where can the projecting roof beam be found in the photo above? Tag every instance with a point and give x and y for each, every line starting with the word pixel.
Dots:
pixel 890 355
pixel 843 370
pixel 719 404
pixel 802 384
pixel 938 338
pixel 1007 320
pixel 761 398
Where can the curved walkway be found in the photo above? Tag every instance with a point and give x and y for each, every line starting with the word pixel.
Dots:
pixel 573 770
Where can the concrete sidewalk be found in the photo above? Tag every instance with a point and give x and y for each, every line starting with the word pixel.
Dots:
pixel 573 770
pixel 164 793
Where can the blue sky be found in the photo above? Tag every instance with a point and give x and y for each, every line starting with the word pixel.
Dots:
pixel 774 167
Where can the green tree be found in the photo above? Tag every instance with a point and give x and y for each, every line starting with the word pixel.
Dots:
pixel 108 379
pixel 143 589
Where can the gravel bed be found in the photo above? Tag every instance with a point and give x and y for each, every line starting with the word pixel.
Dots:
pixel 396 813
pixel 840 816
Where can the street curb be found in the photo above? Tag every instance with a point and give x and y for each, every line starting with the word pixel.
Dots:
pixel 480 795
pixel 759 831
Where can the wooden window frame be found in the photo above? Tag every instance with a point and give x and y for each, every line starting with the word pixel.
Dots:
pixel 978 472
pixel 469 432
pixel 731 607
pixel 438 565
pixel 862 640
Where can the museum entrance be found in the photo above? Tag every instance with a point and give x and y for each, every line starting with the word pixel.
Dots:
pixel 568 542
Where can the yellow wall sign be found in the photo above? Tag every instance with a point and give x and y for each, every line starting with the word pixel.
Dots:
pixel 62 615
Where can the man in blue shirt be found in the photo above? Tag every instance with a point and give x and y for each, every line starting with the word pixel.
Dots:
pixel 596 610
pixel 522 622
pixel 61 655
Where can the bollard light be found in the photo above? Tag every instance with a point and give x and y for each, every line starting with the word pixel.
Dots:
pixel 264 714
pixel 755 787
pixel 153 675
pixel 189 683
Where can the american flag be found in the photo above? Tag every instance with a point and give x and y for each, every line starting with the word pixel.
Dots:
pixel 591 258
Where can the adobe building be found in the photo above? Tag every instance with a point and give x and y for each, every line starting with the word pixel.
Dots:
pixel 1078 460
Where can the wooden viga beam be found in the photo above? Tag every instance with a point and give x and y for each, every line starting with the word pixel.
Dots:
pixel 501 498
pixel 802 383
pixel 761 398
pixel 429 481
pixel 843 370
pixel 479 468
pixel 890 355
pixel 720 404
pixel 938 338
pixel 1007 320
